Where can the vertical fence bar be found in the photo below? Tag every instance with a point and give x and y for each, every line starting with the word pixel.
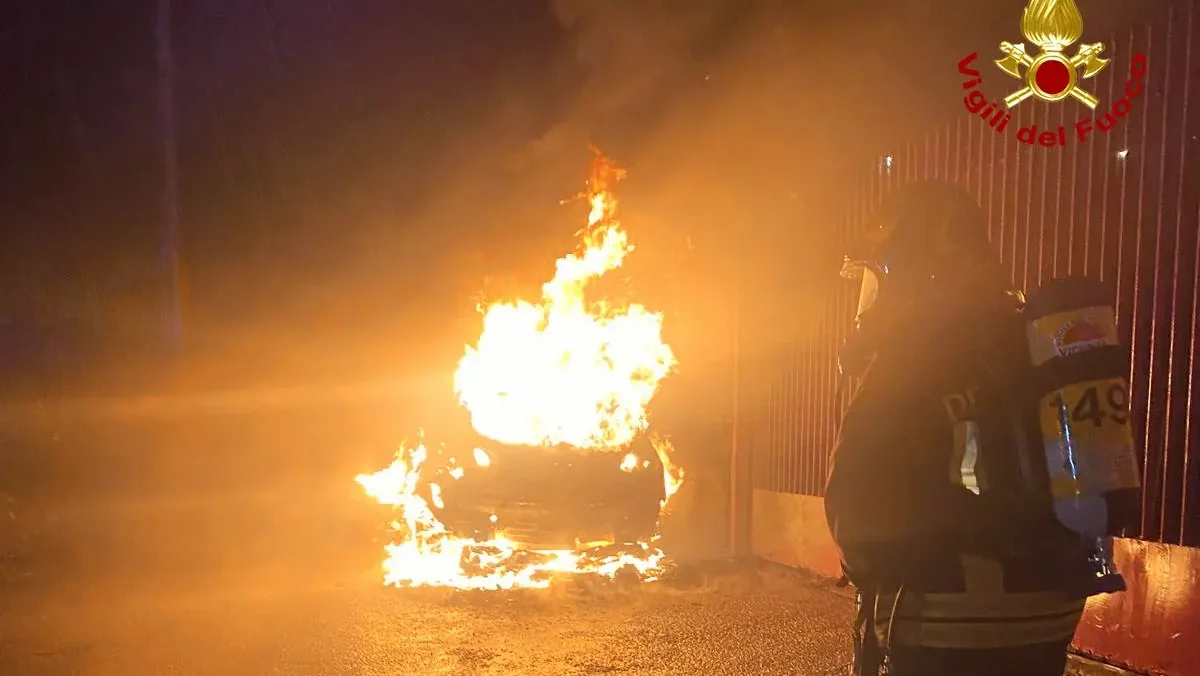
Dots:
pixel 789 378
pixel 1177 408
pixel 1066 257
pixel 1014 155
pixel 1039 185
pixel 962 153
pixel 816 424
pixel 778 457
pixel 1027 213
pixel 946 153
pixel 1164 297
pixel 997 202
pixel 1142 362
pixel 781 424
pixel 1190 530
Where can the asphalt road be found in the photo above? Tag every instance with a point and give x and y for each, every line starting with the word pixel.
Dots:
pixel 285 581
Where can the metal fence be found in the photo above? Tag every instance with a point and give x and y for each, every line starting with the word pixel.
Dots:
pixel 1124 207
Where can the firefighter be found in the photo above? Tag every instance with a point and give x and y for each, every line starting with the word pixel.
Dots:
pixel 950 578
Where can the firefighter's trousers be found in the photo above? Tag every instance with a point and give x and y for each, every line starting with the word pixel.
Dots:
pixel 1039 659
pixel 867 655
pixel 982 630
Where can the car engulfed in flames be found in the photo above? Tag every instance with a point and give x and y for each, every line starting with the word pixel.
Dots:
pixel 565 477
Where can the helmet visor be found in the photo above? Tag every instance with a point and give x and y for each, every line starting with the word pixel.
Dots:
pixel 870 277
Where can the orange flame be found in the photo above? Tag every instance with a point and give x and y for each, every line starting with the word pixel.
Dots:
pixel 564 371
pixel 426 554
pixel 561 371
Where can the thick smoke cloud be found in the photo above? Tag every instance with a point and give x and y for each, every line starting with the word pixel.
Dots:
pixel 889 52
pixel 841 57
pixel 799 92
pixel 628 45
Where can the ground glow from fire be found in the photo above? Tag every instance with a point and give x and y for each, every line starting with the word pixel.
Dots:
pixel 565 370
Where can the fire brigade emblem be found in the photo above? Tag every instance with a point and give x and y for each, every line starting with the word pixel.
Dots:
pixel 1052 26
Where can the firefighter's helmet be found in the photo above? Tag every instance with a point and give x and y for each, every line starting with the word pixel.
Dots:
pixel 925 243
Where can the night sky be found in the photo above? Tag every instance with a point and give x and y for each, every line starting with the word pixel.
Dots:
pixel 298 123
pixel 365 164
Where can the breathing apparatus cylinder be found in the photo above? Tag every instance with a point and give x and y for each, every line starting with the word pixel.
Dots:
pixel 1080 381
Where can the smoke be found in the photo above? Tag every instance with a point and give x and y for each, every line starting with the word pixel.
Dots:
pixel 818 76
pixel 846 62
pixel 746 113
pixel 628 46
pixel 730 114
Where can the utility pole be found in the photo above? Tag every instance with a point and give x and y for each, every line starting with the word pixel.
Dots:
pixel 170 161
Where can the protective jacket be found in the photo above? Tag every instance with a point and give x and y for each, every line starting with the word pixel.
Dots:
pixel 957 566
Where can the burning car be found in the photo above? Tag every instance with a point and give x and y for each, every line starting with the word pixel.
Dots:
pixel 563 476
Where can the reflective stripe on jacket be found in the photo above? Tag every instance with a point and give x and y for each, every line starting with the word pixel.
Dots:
pixel 983 616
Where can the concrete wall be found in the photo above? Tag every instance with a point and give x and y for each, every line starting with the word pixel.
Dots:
pixel 790 529
pixel 1154 627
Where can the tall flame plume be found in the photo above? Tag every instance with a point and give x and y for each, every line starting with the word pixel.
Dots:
pixel 566 371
